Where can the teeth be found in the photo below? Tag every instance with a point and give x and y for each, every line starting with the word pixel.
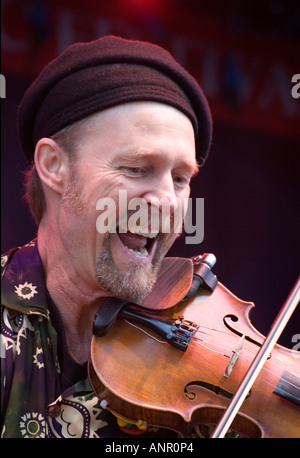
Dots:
pixel 149 235
pixel 141 251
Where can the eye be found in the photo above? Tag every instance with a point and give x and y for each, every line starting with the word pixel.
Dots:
pixel 181 180
pixel 133 171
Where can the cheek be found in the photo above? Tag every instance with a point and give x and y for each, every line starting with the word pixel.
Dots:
pixel 109 184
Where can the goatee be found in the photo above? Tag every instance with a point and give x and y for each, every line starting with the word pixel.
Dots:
pixel 132 285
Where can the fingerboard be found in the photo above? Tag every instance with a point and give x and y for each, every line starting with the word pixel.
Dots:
pixel 288 388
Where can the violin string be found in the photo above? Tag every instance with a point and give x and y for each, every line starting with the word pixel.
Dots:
pixel 276 361
pixel 196 341
pixel 214 330
pixel 145 332
pixel 264 369
pixel 164 342
pixel 210 349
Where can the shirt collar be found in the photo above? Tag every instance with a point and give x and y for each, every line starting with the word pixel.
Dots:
pixel 23 283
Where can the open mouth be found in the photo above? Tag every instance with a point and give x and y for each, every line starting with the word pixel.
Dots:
pixel 141 244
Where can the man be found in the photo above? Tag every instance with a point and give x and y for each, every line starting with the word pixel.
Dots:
pixel 107 116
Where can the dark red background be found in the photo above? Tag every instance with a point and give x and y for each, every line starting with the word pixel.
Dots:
pixel 244 54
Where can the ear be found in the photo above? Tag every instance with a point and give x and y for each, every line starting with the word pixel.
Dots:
pixel 51 164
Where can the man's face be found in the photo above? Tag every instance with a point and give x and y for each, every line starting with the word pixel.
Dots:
pixel 143 151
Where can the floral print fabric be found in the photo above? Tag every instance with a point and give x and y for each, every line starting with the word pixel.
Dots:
pixel 32 404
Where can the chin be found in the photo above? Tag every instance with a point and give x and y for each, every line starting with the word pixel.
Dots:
pixel 131 284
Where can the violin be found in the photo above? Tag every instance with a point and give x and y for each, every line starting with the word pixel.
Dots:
pixel 179 358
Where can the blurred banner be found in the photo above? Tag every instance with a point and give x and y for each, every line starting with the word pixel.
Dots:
pixel 246 76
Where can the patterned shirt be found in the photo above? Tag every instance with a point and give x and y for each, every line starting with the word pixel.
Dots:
pixel 44 393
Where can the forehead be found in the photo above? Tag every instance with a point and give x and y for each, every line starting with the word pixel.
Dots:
pixel 145 127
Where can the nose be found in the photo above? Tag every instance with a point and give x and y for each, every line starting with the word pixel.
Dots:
pixel 161 193
pixel 164 205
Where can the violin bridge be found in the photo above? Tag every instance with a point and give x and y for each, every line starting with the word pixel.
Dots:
pixel 235 356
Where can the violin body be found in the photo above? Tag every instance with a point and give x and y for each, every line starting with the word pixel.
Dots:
pixel 142 377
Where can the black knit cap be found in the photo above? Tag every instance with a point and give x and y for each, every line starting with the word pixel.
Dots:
pixel 89 77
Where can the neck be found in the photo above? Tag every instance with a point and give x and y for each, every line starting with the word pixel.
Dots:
pixel 76 299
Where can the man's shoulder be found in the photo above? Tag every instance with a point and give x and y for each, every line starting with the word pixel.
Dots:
pixel 23 285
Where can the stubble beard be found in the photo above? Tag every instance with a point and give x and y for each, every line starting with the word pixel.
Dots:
pixel 132 285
